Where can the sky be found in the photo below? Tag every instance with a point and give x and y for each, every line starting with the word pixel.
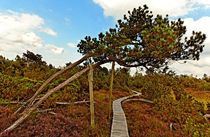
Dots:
pixel 53 28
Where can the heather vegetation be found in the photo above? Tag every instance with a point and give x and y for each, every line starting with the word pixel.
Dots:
pixel 173 104
pixel 56 100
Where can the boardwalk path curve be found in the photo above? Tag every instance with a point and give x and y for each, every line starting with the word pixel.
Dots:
pixel 119 124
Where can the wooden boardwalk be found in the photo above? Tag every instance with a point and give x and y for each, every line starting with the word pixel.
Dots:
pixel 119 123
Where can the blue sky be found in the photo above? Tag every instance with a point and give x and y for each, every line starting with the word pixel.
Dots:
pixel 71 20
pixel 52 28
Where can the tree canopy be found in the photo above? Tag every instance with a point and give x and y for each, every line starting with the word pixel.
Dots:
pixel 33 58
pixel 138 40
pixel 143 40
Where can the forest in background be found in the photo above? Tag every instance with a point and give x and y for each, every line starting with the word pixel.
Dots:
pixel 179 99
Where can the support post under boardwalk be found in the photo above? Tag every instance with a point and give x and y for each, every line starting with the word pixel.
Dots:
pixel 90 80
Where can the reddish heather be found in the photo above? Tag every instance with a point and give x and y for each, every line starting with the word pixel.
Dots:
pixel 71 120
pixel 144 121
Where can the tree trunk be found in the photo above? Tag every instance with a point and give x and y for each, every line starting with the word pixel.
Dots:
pixel 110 91
pixel 28 111
pixel 45 84
pixel 90 80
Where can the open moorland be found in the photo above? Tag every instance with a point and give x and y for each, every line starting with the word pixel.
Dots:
pixel 179 101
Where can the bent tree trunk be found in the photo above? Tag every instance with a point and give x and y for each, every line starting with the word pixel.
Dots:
pixel 110 91
pixel 90 80
pixel 46 83
pixel 30 110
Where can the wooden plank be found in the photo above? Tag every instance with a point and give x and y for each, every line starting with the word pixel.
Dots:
pixel 119 123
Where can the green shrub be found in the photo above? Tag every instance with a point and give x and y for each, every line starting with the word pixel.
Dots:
pixel 194 129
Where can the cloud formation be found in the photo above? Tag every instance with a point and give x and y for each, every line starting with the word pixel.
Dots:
pixel 48 31
pixel 203 65
pixel 199 25
pixel 175 8
pixel 54 49
pixel 18 29
pixel 18 33
pixel 72 45
pixel 197 68
pixel 203 2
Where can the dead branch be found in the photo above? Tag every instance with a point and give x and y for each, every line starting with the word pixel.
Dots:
pixel 80 102
pixel 28 111
pixel 11 102
pixel 45 110
pixel 207 116
pixel 67 103
pixel 53 113
pixel 46 83
pixel 59 103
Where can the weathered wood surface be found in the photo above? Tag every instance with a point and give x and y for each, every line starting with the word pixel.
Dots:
pixel 207 116
pixel 90 81
pixel 28 111
pixel 119 123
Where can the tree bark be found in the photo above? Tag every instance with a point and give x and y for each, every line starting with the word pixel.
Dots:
pixel 28 111
pixel 45 84
pixel 90 80
pixel 110 91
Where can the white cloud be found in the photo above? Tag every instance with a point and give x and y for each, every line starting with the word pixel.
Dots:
pixel 23 21
pixel 203 62
pixel 18 33
pixel 174 8
pixel 72 45
pixel 203 25
pixel 54 49
pixel 203 65
pixel 197 68
pixel 203 2
pixel 17 28
pixel 48 31
pixel 117 8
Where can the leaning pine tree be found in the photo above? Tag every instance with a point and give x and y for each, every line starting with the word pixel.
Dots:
pixel 138 40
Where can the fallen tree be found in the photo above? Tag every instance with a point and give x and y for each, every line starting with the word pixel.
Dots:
pixel 28 111
pixel 46 83
pixel 58 103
